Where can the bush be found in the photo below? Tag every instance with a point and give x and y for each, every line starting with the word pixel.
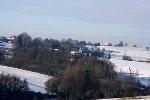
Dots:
pixel 128 58
pixel 13 88
pixel 12 83
pixel 2 57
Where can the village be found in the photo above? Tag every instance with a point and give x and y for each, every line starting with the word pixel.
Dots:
pixel 82 48
pixel 119 55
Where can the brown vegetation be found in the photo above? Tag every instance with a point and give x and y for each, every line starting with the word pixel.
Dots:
pixel 91 78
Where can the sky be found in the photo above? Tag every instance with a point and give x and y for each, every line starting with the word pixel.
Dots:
pixel 92 20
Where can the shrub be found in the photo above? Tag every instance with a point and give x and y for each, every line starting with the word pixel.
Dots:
pixel 12 83
pixel 128 58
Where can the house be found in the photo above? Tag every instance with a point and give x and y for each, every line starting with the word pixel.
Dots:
pixel 120 44
pixel 132 45
pixel 11 38
pixel 107 44
pixel 76 53
pixel 2 44
pixel 6 47
pixel 147 48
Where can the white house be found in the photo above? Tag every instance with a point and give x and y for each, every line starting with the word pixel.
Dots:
pixel 107 44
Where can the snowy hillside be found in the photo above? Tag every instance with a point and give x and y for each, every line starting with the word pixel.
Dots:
pixel 136 66
pixel 142 68
pixel 130 98
pixel 137 54
pixel 36 80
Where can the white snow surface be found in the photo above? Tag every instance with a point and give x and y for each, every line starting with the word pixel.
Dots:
pixel 36 80
pixel 130 98
pixel 141 68
pixel 137 54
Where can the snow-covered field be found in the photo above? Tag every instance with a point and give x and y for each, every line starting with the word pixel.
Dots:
pixel 130 98
pixel 137 54
pixel 36 80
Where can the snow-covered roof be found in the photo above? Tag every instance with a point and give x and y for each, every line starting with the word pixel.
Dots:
pixel 107 44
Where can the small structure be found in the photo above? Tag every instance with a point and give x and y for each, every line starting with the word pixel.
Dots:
pixel 147 48
pixel 107 44
pixel 132 45
pixel 76 53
